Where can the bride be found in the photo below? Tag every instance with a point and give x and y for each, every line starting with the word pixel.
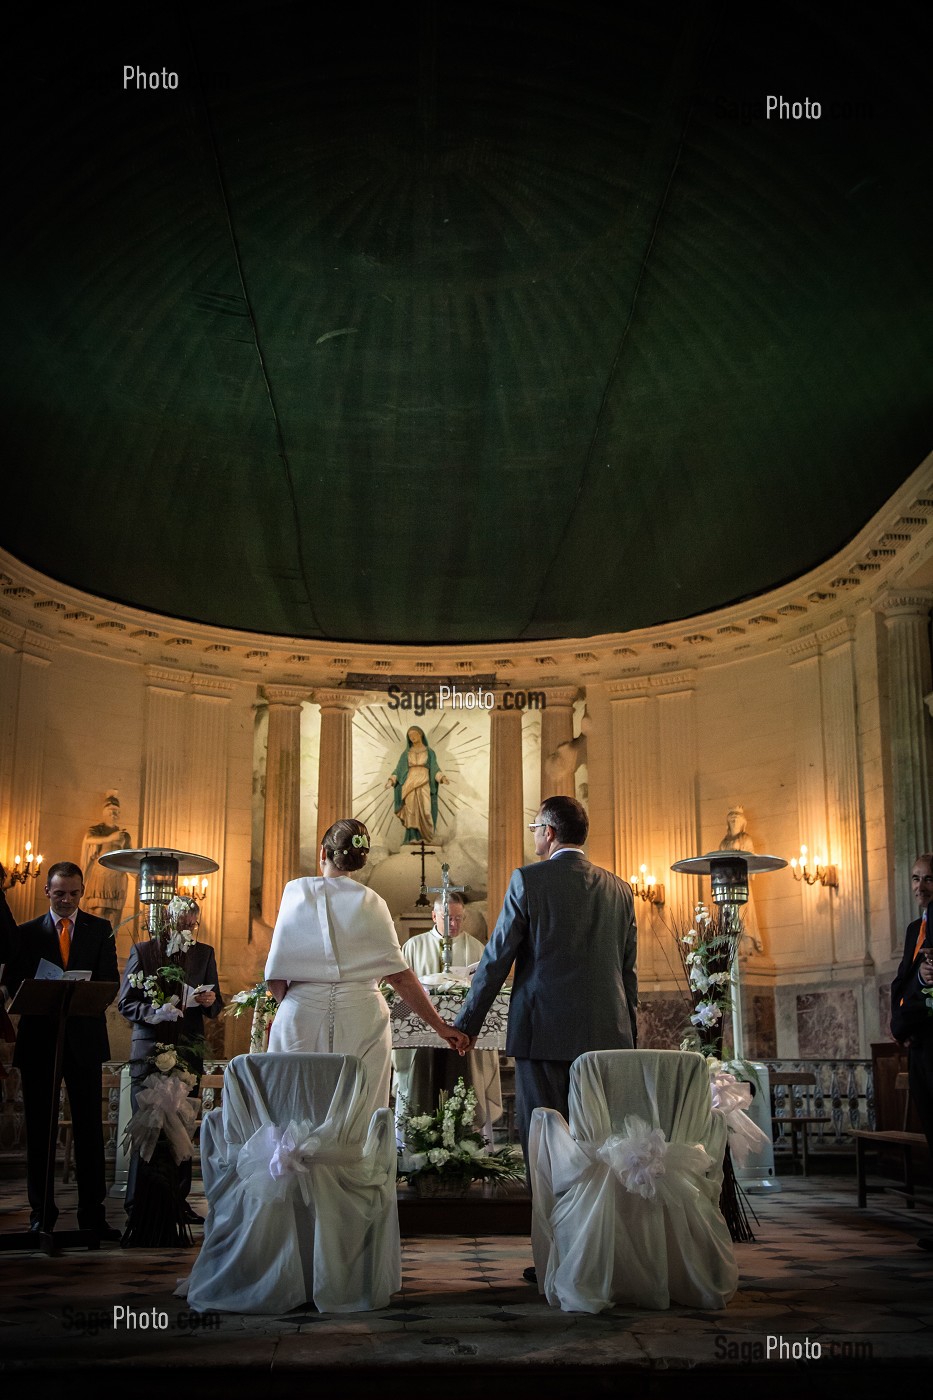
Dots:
pixel 333 942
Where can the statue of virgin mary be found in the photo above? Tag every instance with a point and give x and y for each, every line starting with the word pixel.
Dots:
pixel 415 781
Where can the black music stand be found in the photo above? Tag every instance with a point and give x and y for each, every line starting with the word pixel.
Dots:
pixel 61 999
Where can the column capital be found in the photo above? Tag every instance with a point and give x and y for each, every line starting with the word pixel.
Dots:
pixel 285 694
pixel 337 699
pixel 912 602
pixel 561 696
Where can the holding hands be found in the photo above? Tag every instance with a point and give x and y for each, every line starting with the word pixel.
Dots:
pixel 456 1039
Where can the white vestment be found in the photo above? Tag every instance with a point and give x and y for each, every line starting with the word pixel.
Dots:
pixel 424 953
pixel 333 941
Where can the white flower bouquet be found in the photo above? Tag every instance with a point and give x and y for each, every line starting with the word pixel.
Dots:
pixel 445 1145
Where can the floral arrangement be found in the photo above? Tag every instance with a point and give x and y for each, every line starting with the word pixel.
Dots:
pixel 445 1145
pixel 706 952
pixel 263 1005
pixel 163 1102
pixel 257 999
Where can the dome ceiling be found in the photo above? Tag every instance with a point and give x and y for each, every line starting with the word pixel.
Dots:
pixel 463 323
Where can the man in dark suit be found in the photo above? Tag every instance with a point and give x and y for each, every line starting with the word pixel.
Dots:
pixel 77 941
pixel 200 968
pixel 911 1014
pixel 569 927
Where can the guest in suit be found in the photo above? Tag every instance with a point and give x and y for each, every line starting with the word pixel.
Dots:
pixel 911 1014
pixel 200 969
pixel 569 927
pixel 77 941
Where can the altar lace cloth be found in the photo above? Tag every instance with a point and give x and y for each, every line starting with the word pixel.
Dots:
pixel 625 1204
pixel 301 1191
pixel 409 1031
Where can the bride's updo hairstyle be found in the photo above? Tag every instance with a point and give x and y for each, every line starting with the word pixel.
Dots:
pixel 346 843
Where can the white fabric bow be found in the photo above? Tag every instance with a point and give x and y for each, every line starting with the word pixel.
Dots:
pixel 163 1105
pixel 636 1156
pixel 731 1097
pixel 274 1159
pixel 648 1165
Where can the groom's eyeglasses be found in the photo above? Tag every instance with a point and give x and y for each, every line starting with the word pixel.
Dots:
pixel 533 826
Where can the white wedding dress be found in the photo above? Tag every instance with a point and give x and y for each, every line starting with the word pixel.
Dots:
pixel 333 941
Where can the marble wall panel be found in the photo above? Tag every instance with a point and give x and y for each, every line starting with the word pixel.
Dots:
pixel 827 1025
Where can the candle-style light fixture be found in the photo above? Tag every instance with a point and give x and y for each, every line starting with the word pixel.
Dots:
pixel 23 870
pixel 158 870
pixel 194 888
pixel 646 887
pixel 821 872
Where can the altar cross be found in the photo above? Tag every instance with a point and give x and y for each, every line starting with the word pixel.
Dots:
pixel 445 889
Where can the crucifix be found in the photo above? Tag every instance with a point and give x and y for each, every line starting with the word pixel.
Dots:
pixel 445 889
pixel 421 849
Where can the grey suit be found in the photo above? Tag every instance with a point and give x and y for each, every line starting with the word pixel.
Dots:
pixel 569 927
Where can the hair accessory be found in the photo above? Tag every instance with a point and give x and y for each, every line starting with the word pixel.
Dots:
pixel 361 842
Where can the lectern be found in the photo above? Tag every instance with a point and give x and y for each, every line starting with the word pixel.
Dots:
pixel 58 1000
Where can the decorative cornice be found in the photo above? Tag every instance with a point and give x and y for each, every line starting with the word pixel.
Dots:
pixel 896 545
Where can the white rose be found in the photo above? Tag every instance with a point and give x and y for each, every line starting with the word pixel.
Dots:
pixel 165 1061
pixel 437 1156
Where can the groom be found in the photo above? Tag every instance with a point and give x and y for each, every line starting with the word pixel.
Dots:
pixel 569 927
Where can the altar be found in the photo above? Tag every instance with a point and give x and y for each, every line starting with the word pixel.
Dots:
pixel 409 1031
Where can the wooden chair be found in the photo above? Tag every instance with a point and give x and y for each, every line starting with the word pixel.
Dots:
pixel 109 1098
pixel 799 1083
pixel 897 1138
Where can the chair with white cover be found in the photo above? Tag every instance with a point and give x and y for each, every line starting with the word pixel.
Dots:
pixel 625 1203
pixel 300 1184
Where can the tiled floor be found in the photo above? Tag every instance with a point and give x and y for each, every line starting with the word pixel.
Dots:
pixel 821 1272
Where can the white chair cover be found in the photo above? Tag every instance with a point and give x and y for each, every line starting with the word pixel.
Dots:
pixel 300 1188
pixel 625 1205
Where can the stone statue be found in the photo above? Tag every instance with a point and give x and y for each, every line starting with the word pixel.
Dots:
pixel 738 839
pixel 415 781
pixel 560 767
pixel 104 890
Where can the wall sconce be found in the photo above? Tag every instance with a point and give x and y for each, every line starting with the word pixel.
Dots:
pixel 821 873
pixel 645 886
pixel 20 872
pixel 192 888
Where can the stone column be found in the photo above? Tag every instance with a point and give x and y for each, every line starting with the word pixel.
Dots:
pixel 844 797
pixel 910 733
pixel 815 901
pixel 164 816
pixel 557 728
pixel 335 761
pixel 633 749
pixel 676 796
pixel 28 713
pixel 282 801
pixel 506 805
pixel 207 765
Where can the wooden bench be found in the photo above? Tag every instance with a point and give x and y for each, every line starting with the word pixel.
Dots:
pixel 896 1138
pixel 797 1123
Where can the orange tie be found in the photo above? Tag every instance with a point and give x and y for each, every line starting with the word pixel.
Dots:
pixel 921 939
pixel 64 940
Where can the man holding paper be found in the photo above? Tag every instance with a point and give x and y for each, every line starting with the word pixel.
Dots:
pixel 198 996
pixel 65 942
